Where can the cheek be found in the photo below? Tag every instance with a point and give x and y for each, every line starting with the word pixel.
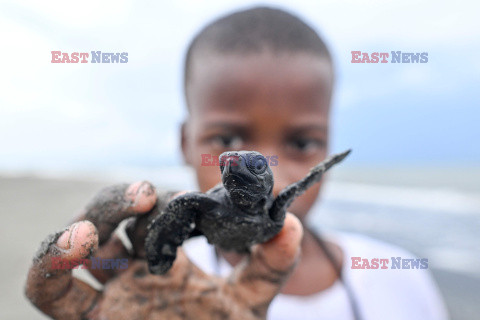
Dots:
pixel 302 205
pixel 207 177
pixel 207 173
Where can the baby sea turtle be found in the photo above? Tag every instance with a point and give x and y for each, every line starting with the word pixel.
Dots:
pixel 234 215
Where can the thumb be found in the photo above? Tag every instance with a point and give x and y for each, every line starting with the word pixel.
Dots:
pixel 50 284
pixel 259 279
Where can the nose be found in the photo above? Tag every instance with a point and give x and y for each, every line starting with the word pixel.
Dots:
pixel 231 163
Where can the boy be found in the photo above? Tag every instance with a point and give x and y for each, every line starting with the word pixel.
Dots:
pixel 262 80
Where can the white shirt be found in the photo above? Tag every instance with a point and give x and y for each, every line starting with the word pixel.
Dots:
pixel 380 293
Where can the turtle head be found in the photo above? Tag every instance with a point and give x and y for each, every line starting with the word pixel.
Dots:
pixel 246 176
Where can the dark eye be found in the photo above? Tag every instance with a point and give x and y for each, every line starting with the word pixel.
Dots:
pixel 306 145
pixel 257 164
pixel 227 142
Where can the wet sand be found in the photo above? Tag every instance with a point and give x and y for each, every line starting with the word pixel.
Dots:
pixel 31 208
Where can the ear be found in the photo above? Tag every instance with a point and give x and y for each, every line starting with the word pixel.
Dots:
pixel 185 143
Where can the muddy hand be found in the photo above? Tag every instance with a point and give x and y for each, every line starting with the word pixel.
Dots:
pixel 54 290
pixel 184 292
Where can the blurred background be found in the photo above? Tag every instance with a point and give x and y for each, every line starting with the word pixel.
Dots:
pixel 67 130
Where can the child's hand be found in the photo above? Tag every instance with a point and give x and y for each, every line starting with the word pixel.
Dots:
pixel 185 292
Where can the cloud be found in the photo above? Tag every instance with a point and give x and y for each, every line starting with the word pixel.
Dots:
pixel 100 113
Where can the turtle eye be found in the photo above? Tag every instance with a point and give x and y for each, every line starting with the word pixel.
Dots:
pixel 257 164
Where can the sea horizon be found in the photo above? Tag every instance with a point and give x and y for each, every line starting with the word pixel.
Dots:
pixel 433 212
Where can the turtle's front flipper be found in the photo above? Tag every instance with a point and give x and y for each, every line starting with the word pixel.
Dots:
pixel 287 195
pixel 171 227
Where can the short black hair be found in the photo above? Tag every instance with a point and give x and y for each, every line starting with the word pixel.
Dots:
pixel 253 30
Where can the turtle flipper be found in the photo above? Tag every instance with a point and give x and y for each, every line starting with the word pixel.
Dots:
pixel 170 228
pixel 287 195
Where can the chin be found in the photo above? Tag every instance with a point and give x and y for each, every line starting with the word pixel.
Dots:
pixel 242 194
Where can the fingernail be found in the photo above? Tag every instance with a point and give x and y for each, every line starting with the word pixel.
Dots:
pixel 146 190
pixel 67 239
pixel 132 190
pixel 141 196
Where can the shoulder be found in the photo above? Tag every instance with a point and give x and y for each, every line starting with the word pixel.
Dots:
pixel 401 282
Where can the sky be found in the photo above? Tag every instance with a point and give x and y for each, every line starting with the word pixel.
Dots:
pixel 96 116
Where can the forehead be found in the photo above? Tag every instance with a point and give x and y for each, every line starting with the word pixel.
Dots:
pixel 287 83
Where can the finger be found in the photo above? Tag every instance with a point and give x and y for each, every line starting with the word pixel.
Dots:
pixel 114 248
pixel 111 206
pixel 116 256
pixel 116 203
pixel 262 275
pixel 50 285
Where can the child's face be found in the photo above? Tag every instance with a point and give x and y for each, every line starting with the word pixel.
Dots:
pixel 276 104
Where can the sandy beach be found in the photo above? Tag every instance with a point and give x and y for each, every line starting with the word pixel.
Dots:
pixel 31 208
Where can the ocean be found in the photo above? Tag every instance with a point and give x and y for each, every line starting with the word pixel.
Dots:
pixel 433 212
